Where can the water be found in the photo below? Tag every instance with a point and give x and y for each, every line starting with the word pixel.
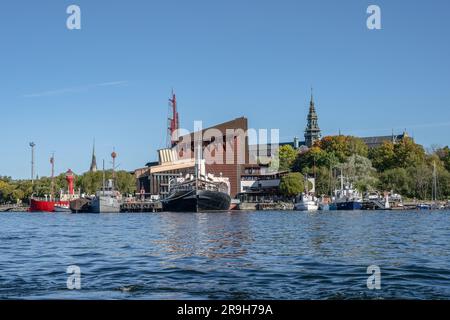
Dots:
pixel 260 255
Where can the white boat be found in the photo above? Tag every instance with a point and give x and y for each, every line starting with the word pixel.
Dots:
pixel 306 202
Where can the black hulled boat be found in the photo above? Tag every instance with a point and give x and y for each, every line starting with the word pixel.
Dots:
pixel 198 193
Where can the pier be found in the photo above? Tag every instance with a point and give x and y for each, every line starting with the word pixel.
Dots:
pixel 13 208
pixel 141 206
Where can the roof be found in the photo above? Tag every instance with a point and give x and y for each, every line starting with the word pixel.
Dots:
pixel 378 140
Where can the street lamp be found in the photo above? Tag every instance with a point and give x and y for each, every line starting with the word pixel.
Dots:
pixel 32 145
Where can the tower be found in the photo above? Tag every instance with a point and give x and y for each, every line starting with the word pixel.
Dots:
pixel 69 179
pixel 93 167
pixel 312 132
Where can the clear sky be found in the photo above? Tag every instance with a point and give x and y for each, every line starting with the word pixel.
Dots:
pixel 256 58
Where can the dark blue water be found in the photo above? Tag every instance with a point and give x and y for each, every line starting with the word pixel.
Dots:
pixel 261 255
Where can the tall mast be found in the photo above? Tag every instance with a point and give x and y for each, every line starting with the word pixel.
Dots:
pixel 434 193
pixel 174 122
pixel 52 191
pixel 103 177
pixel 330 181
pixel 113 156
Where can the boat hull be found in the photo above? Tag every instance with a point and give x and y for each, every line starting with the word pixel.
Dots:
pixel 349 205
pixel 306 207
pixel 200 201
pixel 105 204
pixel 81 205
pixel 45 205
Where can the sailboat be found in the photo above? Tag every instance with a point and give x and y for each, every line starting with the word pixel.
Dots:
pixel 434 194
pixel 198 192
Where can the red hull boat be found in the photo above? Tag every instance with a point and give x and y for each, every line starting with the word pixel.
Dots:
pixel 46 206
pixel 61 205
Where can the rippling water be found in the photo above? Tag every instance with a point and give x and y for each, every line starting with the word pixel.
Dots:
pixel 240 255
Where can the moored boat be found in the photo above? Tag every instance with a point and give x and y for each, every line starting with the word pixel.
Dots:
pixel 107 200
pixel 198 193
pixel 306 202
pixel 346 198
pixel 50 204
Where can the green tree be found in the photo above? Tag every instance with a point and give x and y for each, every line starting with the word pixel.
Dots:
pixel 383 157
pixel 421 179
pixel 396 179
pixel 90 182
pixel 358 171
pixel 408 153
pixel 325 179
pixel 286 156
pixel 315 157
pixel 292 184
pixel 126 182
pixel 343 146
pixel 444 156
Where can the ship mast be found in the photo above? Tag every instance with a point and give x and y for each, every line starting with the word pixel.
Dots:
pixel 173 122
pixel 103 188
pixel 52 188
pixel 434 192
pixel 113 156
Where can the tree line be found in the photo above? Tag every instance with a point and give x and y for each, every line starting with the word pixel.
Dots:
pixel 403 167
pixel 13 191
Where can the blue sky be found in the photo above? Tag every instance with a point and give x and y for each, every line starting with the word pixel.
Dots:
pixel 226 59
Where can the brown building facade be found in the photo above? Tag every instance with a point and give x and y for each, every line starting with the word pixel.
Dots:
pixel 224 148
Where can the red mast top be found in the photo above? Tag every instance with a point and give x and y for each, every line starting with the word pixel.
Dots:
pixel 174 122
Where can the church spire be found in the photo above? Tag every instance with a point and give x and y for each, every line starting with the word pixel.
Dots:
pixel 93 167
pixel 312 132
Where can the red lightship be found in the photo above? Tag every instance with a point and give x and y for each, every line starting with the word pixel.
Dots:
pixel 52 205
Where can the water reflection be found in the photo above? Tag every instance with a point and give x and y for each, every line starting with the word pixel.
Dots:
pixel 209 235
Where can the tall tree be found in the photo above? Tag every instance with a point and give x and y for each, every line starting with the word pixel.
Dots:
pixel 343 146
pixel 287 156
pixel 383 157
pixel 358 171
pixel 292 184
pixel 408 153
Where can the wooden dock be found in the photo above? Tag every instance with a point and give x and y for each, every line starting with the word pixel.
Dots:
pixel 141 206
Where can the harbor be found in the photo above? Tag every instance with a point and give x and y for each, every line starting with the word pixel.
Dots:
pixel 224 159
pixel 189 176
